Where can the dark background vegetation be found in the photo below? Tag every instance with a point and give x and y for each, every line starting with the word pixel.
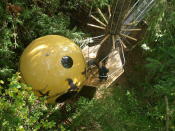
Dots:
pixel 144 98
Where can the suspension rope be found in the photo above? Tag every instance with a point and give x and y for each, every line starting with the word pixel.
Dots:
pixel 145 9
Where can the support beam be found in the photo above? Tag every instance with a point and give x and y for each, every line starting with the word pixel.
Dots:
pixel 122 43
pixel 104 39
pixel 132 23
pixel 113 41
pixel 100 12
pixel 131 30
pixel 96 26
pixel 129 37
pixel 97 20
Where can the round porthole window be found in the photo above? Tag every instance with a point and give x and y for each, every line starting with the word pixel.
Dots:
pixel 67 62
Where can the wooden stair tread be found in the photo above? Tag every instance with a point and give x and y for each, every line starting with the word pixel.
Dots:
pixel 114 64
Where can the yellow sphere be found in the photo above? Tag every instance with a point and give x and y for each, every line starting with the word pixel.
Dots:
pixel 53 65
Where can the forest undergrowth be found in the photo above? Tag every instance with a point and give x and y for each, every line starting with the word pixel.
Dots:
pixel 146 103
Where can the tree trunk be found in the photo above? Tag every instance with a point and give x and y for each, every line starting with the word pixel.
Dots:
pixel 119 8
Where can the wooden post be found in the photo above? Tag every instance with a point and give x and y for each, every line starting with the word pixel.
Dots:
pixel 119 8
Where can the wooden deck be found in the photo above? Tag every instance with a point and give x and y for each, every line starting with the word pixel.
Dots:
pixel 114 64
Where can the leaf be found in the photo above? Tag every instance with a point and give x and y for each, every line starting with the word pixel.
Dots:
pixel 1 82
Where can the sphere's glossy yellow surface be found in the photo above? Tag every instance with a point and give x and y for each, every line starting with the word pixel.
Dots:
pixel 41 66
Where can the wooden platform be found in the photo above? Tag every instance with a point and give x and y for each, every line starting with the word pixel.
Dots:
pixel 114 64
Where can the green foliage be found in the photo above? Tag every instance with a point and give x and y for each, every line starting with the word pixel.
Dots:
pixel 161 24
pixel 21 110
pixel 159 82
pixel 75 4
pixel 117 112
pixel 124 109
pixel 100 3
pixel 161 62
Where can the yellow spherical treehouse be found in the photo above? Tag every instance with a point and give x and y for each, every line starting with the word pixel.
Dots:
pixel 53 65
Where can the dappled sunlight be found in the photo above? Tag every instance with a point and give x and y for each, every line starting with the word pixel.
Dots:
pixel 37 49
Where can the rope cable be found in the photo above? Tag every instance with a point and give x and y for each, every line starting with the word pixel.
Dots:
pixel 133 7
pixel 143 11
